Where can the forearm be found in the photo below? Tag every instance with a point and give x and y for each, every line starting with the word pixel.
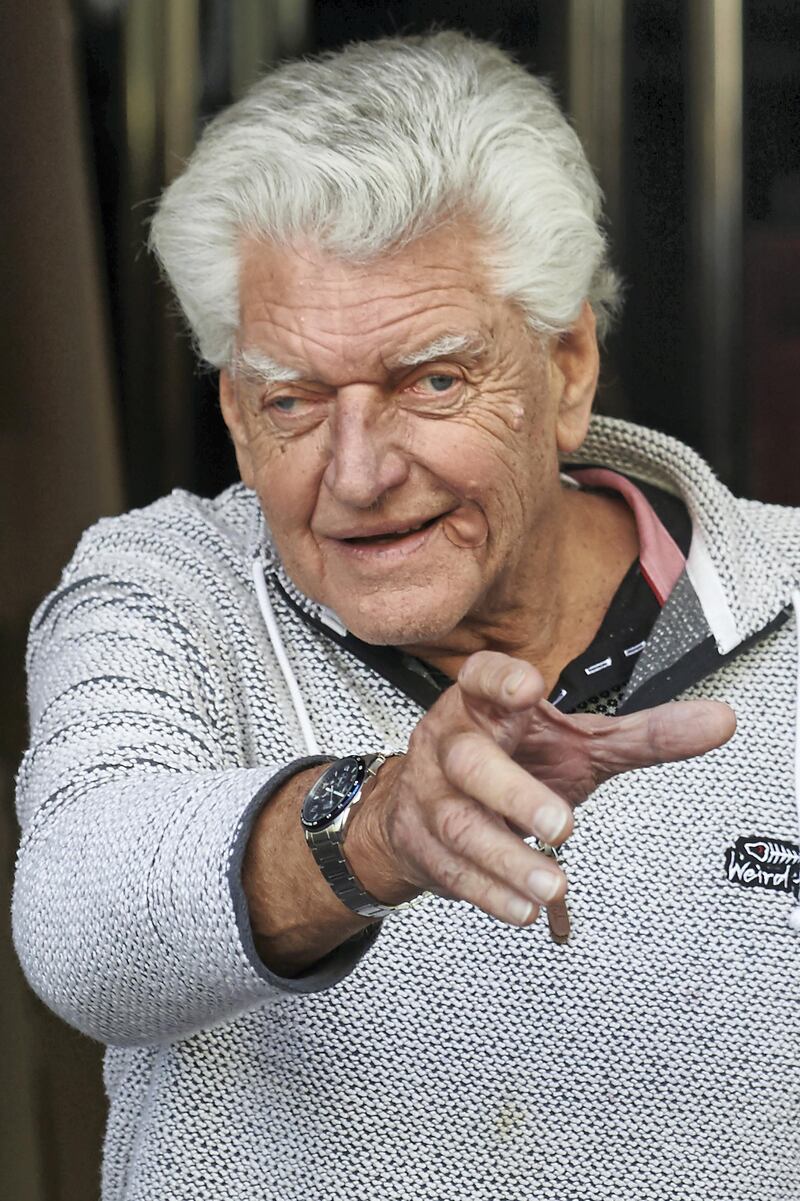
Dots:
pixel 296 917
pixel 125 911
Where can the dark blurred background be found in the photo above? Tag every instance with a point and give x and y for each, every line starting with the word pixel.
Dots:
pixel 689 111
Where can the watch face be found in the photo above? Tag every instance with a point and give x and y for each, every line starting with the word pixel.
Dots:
pixel 333 792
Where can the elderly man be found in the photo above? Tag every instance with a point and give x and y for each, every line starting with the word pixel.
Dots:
pixel 377 675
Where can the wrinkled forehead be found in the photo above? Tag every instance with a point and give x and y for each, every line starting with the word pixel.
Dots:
pixel 303 309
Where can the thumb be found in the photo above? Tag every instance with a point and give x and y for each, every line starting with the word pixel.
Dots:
pixel 678 730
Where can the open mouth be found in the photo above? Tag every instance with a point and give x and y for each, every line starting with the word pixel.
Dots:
pixel 395 537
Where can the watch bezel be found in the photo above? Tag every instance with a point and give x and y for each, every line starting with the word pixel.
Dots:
pixel 329 817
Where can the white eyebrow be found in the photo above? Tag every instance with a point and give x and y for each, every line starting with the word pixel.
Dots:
pixel 261 369
pixel 440 349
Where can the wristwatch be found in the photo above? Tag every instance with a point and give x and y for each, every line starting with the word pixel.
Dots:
pixel 325 813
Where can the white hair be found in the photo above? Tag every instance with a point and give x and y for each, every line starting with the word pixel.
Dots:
pixel 367 148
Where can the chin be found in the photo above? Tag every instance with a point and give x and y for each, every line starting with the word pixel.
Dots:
pixel 408 624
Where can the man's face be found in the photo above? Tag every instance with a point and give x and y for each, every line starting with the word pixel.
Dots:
pixel 409 398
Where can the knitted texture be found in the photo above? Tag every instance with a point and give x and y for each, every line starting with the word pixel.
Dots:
pixel 654 1056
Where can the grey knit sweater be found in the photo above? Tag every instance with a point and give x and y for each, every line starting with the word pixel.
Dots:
pixel 656 1055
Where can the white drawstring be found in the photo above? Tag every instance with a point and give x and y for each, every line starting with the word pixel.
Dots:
pixel 277 645
pixel 794 916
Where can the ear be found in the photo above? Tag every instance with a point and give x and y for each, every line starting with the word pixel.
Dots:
pixel 575 366
pixel 237 426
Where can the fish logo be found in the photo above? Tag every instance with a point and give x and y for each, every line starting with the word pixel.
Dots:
pixel 773 852
pixel 764 862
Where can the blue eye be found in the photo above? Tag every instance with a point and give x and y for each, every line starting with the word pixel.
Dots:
pixel 440 383
pixel 285 403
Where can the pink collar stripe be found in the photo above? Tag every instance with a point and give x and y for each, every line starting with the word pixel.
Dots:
pixel 661 560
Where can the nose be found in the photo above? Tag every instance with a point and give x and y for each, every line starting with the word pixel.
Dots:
pixel 365 458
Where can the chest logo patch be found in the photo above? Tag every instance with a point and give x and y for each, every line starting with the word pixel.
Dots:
pixel 756 862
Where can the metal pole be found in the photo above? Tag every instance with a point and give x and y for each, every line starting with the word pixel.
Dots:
pixel 161 48
pixel 595 73
pixel 715 90
pixel 144 453
pixel 263 33
pixel 180 94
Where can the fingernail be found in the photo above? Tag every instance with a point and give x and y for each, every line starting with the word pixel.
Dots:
pixel 544 885
pixel 550 822
pixel 519 910
pixel 515 680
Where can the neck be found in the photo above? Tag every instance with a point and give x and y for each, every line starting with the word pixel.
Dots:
pixel 553 606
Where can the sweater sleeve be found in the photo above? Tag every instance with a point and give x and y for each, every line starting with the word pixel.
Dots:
pixel 129 917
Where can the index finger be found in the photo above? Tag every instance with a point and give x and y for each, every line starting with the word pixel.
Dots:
pixel 483 771
pixel 498 679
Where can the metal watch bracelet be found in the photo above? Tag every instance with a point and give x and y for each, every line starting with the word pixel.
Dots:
pixel 326 845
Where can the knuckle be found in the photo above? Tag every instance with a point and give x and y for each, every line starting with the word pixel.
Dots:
pixel 500 862
pixel 417 735
pixel 451 877
pixel 457 826
pixel 421 736
pixel 464 759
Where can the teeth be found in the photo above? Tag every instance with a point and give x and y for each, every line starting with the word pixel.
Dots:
pixel 412 529
pixel 399 533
